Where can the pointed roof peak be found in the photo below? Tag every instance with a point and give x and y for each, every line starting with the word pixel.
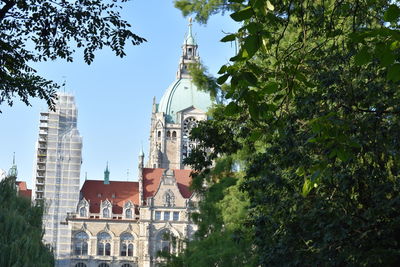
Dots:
pixel 107 175
pixel 189 40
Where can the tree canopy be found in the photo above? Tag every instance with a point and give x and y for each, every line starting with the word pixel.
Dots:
pixel 38 30
pixel 21 230
pixel 312 119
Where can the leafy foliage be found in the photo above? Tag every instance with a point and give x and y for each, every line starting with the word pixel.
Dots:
pixel 313 117
pixel 36 30
pixel 21 230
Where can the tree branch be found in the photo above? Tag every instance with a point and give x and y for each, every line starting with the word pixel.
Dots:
pixel 6 8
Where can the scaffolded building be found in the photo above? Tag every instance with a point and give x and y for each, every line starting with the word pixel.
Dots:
pixel 57 172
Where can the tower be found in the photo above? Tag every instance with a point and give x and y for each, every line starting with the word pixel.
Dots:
pixel 179 110
pixel 57 172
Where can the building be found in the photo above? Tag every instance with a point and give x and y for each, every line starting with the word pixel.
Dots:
pixel 126 224
pixel 179 110
pixel 22 189
pixel 57 172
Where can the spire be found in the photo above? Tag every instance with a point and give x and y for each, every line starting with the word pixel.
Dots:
pixel 13 170
pixel 107 175
pixel 189 40
pixel 189 55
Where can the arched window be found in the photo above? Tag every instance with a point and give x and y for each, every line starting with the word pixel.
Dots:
pixel 187 144
pixel 164 241
pixel 104 265
pixel 81 243
pixel 126 244
pixel 103 244
pixel 80 264
pixel 82 212
pixel 106 213
pixel 128 213
pixel 173 134
pixel 168 134
pixel 159 134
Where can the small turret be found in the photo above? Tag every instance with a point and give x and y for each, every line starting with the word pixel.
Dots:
pixel 107 175
pixel 13 172
pixel 189 54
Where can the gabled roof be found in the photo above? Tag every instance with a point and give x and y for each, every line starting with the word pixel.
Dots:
pixel 23 190
pixel 152 178
pixel 117 192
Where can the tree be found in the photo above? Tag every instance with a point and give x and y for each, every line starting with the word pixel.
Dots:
pixel 21 230
pixel 313 116
pixel 37 30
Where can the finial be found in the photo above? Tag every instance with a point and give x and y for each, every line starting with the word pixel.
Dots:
pixel 14 159
pixel 85 175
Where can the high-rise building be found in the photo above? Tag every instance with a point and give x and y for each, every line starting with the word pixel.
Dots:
pixel 57 172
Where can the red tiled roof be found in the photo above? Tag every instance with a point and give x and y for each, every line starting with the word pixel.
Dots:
pixel 95 191
pixel 23 190
pixel 152 177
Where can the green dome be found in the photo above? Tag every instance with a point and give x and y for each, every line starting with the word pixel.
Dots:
pixel 182 94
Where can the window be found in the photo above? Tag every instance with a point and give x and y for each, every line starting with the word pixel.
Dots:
pixel 126 244
pixel 108 249
pixel 126 265
pixel 103 244
pixel 159 134
pixel 168 134
pixel 82 212
pixel 106 213
pixel 81 243
pixel 176 216
pixel 187 144
pixel 173 134
pixel 104 265
pixel 80 264
pixel 128 213
pixel 163 241
pixel 158 215
pixel 166 215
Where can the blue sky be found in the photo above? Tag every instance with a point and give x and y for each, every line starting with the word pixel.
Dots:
pixel 114 95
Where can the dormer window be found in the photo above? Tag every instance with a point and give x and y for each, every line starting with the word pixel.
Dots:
pixel 128 213
pixel 106 213
pixel 82 212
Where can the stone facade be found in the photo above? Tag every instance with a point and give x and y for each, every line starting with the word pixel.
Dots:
pixel 126 224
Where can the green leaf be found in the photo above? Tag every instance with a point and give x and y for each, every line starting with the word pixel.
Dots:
pixel 243 14
pixel 270 6
pixel 362 57
pixel 271 88
pixel 250 77
pixel 386 57
pixel 231 109
pixel 254 27
pixel 307 187
pixel 394 73
pixel 392 14
pixel 254 111
pixel 223 78
pixel 222 69
pixel 251 45
pixel 229 38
